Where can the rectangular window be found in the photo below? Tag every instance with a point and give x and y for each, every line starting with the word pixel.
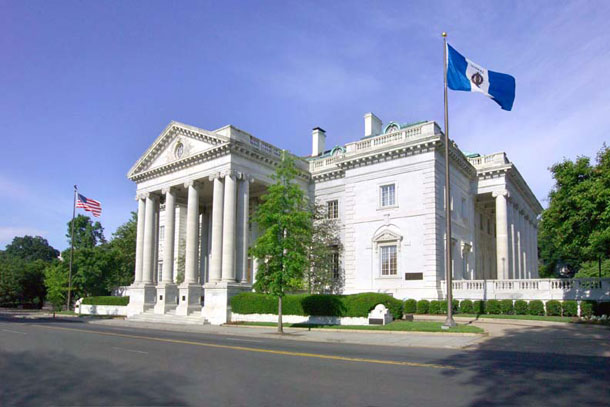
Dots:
pixel 335 265
pixel 332 209
pixel 388 195
pixel 161 233
pixel 388 261
pixel 481 221
pixel 463 208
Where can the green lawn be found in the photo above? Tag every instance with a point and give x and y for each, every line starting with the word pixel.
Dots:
pixel 420 326
pixel 522 317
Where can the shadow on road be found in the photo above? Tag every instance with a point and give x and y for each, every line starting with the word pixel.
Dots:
pixel 507 371
pixel 35 379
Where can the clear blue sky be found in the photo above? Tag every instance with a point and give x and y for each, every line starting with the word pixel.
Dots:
pixel 86 86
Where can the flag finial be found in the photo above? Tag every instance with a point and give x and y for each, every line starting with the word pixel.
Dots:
pixel 444 34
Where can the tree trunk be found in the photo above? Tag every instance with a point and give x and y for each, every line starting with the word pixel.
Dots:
pixel 280 326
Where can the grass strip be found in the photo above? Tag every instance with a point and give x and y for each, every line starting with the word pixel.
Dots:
pixel 406 326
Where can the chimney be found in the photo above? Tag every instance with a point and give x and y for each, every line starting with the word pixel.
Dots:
pixel 372 125
pixel 318 141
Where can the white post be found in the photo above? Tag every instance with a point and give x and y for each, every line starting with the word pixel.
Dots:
pixel 203 261
pixel 217 230
pixel 140 240
pixel 501 234
pixel 228 231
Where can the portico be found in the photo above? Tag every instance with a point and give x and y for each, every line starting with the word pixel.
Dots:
pixel 195 194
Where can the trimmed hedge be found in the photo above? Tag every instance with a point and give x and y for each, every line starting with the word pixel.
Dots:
pixel 105 300
pixel 535 307
pixel 507 308
pixel 356 305
pixel 586 309
pixel 466 307
pixel 569 308
pixel 479 307
pixel 520 307
pixel 410 307
pixel 493 307
pixel 423 306
pixel 553 308
pixel 435 307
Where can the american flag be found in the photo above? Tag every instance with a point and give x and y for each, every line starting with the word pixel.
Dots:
pixel 90 205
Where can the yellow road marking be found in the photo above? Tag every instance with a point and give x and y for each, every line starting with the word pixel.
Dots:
pixel 248 349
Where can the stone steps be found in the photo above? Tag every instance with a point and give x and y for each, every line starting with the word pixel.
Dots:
pixel 169 318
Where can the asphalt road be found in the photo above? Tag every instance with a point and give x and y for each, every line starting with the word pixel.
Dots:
pixel 67 363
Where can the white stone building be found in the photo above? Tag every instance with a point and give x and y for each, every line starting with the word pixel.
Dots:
pixel 197 188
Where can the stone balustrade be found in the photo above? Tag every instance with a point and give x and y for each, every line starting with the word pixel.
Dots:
pixel 489 159
pixel 531 289
pixel 421 130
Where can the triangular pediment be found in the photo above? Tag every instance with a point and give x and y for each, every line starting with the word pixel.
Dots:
pixel 386 235
pixel 175 143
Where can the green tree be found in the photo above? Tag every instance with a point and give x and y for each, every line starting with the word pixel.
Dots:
pixel 30 248
pixel 123 247
pixel 324 273
pixel 285 222
pixel 575 228
pixel 86 233
pixel 56 282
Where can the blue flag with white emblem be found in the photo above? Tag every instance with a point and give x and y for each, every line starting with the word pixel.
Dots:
pixel 463 74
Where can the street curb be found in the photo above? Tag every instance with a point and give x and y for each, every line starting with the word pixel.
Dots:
pixel 367 331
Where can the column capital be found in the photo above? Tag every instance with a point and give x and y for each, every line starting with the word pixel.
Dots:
pixel 216 175
pixel 230 173
pixel 502 192
pixel 166 190
pixel 192 183
pixel 245 177
pixel 141 195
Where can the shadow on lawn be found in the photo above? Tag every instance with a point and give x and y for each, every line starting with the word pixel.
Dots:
pixel 511 370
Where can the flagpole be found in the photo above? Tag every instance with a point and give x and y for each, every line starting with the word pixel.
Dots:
pixel 449 322
pixel 71 250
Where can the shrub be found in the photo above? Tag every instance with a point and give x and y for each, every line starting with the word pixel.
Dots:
pixel 535 307
pixel 410 306
pixel 586 309
pixel 569 308
pixel 507 307
pixel 105 300
pixel 253 303
pixel 493 307
pixel 435 307
pixel 423 306
pixel 520 307
pixel 359 305
pixel 478 307
pixel 602 308
pixel 553 308
pixel 466 307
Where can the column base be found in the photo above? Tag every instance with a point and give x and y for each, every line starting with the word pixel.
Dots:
pixel 141 298
pixel 217 309
pixel 167 298
pixel 189 299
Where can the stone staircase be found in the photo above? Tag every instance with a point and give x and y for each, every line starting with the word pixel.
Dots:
pixel 169 318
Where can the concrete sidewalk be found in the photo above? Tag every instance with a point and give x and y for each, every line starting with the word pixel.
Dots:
pixel 375 338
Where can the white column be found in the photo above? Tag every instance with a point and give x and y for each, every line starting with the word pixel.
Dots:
pixel 511 240
pixel 140 239
pixel 534 270
pixel 243 209
pixel 217 229
pixel 501 234
pixel 228 229
pixel 203 261
pixel 519 242
pixel 192 235
pixel 149 241
pixel 168 244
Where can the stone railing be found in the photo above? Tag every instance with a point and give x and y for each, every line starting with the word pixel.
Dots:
pixel 265 147
pixel 533 289
pixel 379 142
pixel 490 159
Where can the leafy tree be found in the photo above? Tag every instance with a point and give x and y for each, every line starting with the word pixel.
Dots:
pixel 286 226
pixel 56 282
pixel 86 233
pixel 30 248
pixel 10 285
pixel 324 274
pixel 123 245
pixel 576 226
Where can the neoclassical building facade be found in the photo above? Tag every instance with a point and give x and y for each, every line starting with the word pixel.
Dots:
pixel 197 190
